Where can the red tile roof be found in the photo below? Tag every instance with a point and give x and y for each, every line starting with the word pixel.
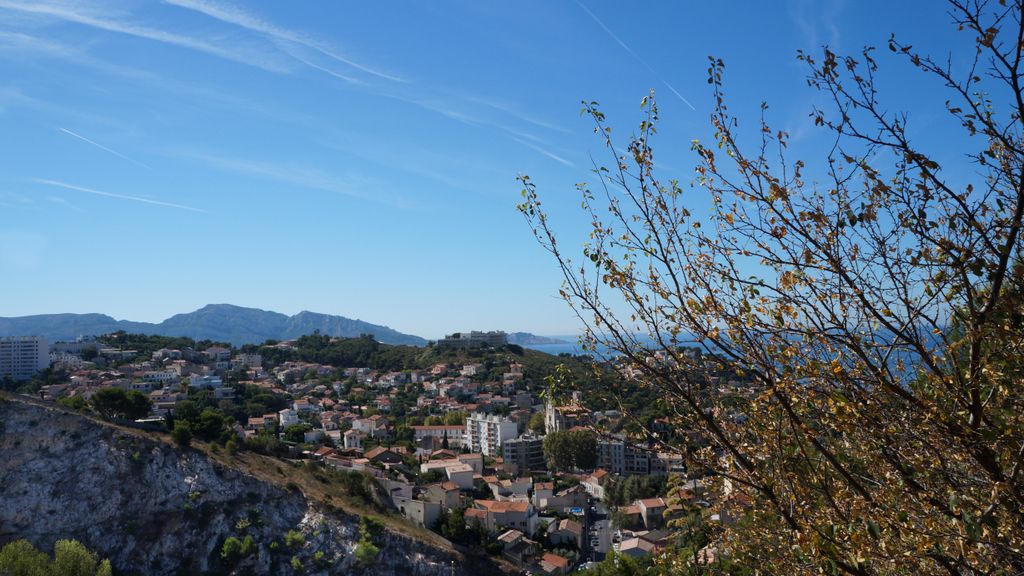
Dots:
pixel 555 560
pixel 503 506
pixel 653 503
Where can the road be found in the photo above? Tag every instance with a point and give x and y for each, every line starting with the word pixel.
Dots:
pixel 599 528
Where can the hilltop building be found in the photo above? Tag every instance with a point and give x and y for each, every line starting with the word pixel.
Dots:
pixel 474 339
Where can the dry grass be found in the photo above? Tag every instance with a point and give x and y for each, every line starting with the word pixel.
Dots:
pixel 318 488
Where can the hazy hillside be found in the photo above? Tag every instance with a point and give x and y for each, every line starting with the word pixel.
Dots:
pixel 66 326
pixel 527 339
pixel 220 322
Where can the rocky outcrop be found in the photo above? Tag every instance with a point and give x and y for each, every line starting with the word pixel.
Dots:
pixel 153 508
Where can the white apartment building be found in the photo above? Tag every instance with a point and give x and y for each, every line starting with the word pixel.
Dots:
pixel 473 339
pixel 485 433
pixel 161 377
pixel 22 357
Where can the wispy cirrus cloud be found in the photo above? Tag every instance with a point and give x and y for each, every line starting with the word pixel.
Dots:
pixel 14 200
pixel 233 15
pixel 289 39
pixel 275 49
pixel 74 13
pixel 93 191
pixel 104 148
pixel 16 45
pixel 11 96
pixel 25 43
pixel 516 112
pixel 817 21
pixel 632 53
pixel 61 201
pixel 450 110
pixel 301 176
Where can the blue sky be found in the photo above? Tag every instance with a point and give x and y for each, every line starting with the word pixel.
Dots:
pixel 359 158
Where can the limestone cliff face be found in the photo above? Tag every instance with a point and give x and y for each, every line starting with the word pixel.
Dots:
pixel 153 508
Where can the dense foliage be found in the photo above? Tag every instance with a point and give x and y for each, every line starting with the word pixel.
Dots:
pixel 112 403
pixel 571 450
pixel 70 558
pixel 619 491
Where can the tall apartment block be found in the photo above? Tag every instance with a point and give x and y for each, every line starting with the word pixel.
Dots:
pixel 22 357
pixel 485 433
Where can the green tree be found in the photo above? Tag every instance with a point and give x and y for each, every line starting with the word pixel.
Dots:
pixel 112 403
pixel 294 539
pixel 536 423
pixel 571 450
pixel 370 531
pixel 619 565
pixel 21 558
pixel 211 425
pixel 182 433
pixel 231 551
pixel 248 546
pixel 296 432
pixel 452 525
pixel 623 490
pixel 71 558
pixel 456 418
pixel 367 553
pixel 186 410
pixel 77 403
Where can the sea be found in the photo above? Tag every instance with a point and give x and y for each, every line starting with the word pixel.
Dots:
pixel 567 347
pixel 570 345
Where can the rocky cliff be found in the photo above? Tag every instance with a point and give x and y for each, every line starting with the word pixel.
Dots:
pixel 154 508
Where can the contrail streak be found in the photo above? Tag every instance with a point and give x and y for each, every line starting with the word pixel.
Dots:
pixel 632 53
pixel 112 195
pixel 102 147
pixel 551 155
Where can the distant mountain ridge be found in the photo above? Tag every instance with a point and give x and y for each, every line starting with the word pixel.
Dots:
pixel 221 322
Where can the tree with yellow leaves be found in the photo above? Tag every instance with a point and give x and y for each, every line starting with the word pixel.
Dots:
pixel 875 420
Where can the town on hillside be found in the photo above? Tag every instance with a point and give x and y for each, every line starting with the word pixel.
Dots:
pixel 464 437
